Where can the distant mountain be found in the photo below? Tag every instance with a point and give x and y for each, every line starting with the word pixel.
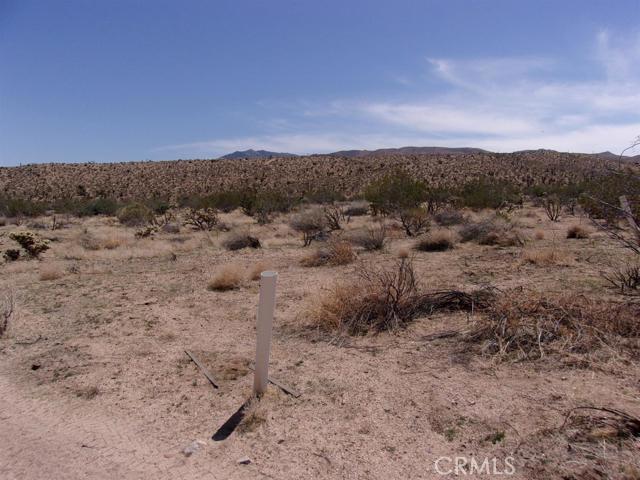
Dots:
pixel 409 151
pixel 256 154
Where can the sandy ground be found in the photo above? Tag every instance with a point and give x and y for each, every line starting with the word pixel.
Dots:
pixel 94 381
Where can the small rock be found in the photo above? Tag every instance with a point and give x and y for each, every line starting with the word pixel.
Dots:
pixel 193 448
pixel 244 461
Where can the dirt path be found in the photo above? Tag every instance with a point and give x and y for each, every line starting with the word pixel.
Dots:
pixel 64 439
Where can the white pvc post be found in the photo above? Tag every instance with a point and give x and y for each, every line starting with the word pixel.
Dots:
pixel 266 308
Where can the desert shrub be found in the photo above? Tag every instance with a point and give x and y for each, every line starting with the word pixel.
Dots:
pixel 11 254
pixel 135 215
pixel 449 217
pixel 6 311
pixel 98 206
pixel 436 241
pixel 324 195
pixel 225 201
pixel 19 207
pixel 263 205
pixel 552 207
pixel 146 232
pixel 88 241
pixel 528 326
pixel 625 279
pixel 237 241
pixel 384 298
pixel 395 192
pixel 577 231
pixel 311 224
pixel 488 194
pixel 228 277
pixel 492 231
pixel 414 221
pixel 256 270
pixel 170 227
pixel 30 242
pixel 333 215
pixel 204 219
pixel 51 272
pixel 437 198
pixel 159 206
pixel 539 235
pixel 371 238
pixel 600 197
pixel 356 209
pixel 547 257
pixel 336 252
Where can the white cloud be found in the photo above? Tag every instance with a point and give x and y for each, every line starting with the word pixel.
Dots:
pixel 500 104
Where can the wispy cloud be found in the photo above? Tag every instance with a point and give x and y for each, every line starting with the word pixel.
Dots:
pixel 501 104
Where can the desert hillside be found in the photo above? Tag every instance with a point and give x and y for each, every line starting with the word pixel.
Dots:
pixel 294 175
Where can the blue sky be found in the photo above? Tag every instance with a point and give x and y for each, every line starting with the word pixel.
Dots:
pixel 112 80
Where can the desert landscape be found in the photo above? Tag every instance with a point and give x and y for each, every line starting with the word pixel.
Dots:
pixel 432 311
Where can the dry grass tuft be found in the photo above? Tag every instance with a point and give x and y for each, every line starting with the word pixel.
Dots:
pixel 237 241
pixel 578 232
pixel 51 272
pixel 539 235
pixel 380 299
pixel 547 257
pixel 436 241
pixel 372 238
pixel 229 277
pixel 256 269
pixel 529 326
pixel 337 252
pixel 492 231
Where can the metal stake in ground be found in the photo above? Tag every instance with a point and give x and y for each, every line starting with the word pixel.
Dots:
pixel 266 308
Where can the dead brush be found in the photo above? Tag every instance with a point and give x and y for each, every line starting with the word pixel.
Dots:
pixel 337 252
pixel 529 326
pixel 6 311
pixel 625 279
pixel 595 424
pixel 380 299
pixel 492 231
pixel 578 232
pixel 228 277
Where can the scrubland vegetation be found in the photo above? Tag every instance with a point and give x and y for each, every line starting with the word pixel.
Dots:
pixel 524 287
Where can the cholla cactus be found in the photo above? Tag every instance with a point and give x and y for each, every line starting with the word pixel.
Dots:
pixel 31 242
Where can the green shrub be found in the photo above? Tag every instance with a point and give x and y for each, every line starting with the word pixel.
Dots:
pixel 19 207
pixel 488 194
pixel 135 215
pixel 395 192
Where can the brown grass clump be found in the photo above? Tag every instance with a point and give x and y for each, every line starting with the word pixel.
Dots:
pixel 228 277
pixel 380 299
pixel 492 231
pixel 449 217
pixel 256 270
pixel 337 252
pixel 547 257
pixel 529 326
pixel 237 241
pixel 436 241
pixel 538 235
pixel 372 238
pixel 50 272
pixel 578 232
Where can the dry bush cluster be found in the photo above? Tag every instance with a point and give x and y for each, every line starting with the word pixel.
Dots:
pixel 436 241
pixel 238 241
pixel 547 256
pixel 380 299
pixel 578 232
pixel 526 325
pixel 228 277
pixel 492 231
pixel 336 252
pixel 371 238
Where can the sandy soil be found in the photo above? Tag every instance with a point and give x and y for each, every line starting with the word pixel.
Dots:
pixel 94 381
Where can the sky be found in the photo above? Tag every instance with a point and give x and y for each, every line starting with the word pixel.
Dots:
pixel 127 80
